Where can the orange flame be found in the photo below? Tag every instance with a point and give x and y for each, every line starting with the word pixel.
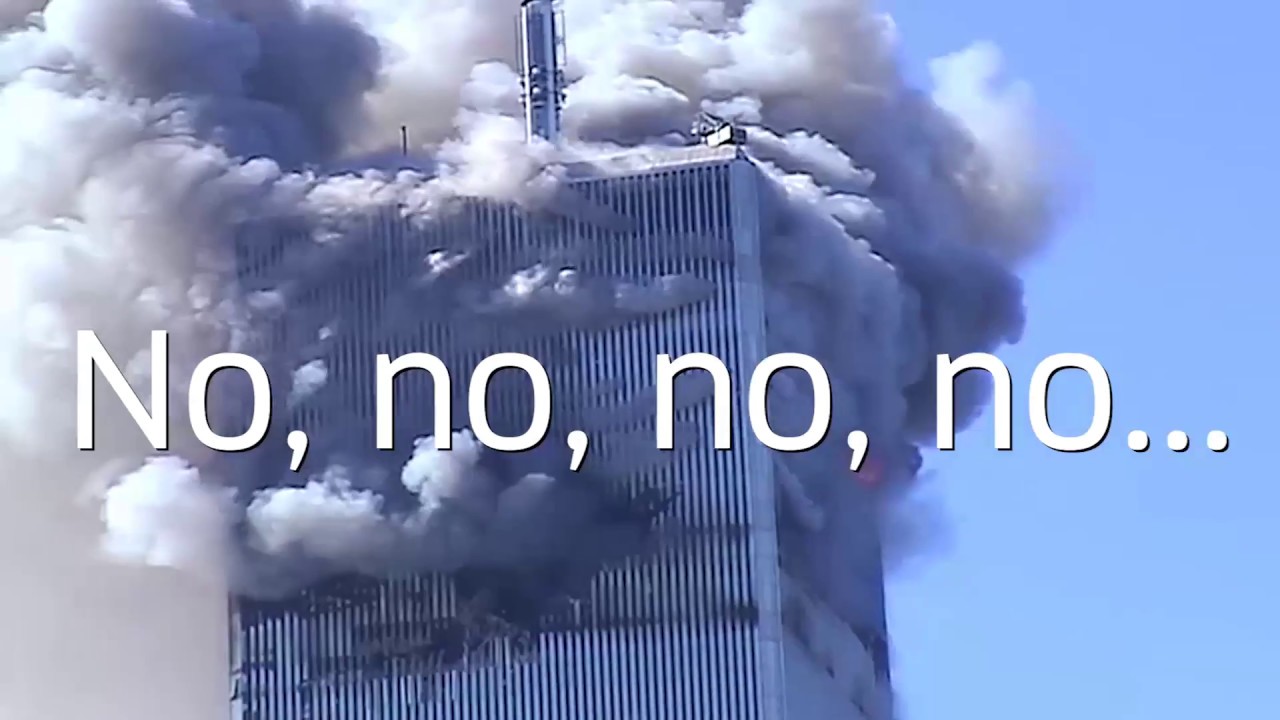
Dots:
pixel 871 472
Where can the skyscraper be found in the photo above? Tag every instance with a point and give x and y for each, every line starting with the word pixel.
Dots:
pixel 726 617
pixel 710 624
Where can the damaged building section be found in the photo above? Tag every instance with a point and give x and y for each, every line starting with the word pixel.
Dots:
pixel 514 556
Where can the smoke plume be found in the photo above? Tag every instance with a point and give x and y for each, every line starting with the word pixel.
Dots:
pixel 144 143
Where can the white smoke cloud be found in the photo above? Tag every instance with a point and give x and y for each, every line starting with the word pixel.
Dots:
pixel 1001 120
pixel 327 518
pixel 433 474
pixel 307 380
pixel 163 515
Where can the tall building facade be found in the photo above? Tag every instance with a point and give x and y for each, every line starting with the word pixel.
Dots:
pixel 711 624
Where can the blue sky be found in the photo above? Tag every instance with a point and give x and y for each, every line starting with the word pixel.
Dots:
pixel 1114 585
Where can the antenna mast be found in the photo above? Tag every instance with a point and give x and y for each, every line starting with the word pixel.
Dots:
pixel 542 56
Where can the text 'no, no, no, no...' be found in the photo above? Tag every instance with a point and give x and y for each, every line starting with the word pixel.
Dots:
pixel 154 424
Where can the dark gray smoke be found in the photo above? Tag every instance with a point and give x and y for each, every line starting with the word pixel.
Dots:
pixel 143 141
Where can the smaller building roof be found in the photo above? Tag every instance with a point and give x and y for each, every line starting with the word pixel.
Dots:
pixel 640 161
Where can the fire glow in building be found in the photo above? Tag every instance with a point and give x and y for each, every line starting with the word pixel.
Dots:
pixel 715 620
